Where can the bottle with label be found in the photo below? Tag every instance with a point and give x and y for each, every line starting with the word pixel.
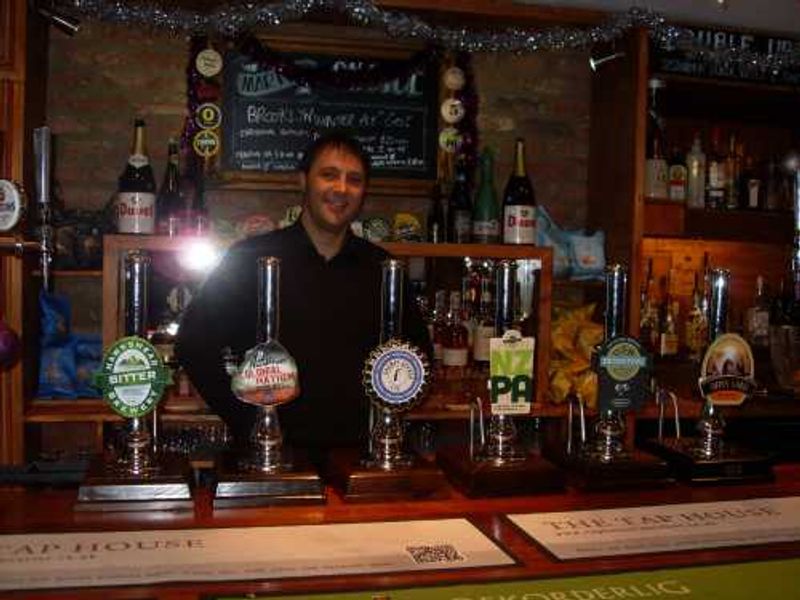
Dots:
pixel 750 186
pixel 668 334
pixel 436 220
pixel 459 206
pixel 136 198
pixel 484 328
pixel 519 202
pixel 486 212
pixel 757 316
pixel 455 342
pixel 677 177
pixel 648 317
pixel 733 168
pixel 696 175
pixel 169 204
pixel 717 178
pixel 696 329
pixel 656 167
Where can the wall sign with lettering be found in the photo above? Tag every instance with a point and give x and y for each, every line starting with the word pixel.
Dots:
pixel 724 54
pixel 269 119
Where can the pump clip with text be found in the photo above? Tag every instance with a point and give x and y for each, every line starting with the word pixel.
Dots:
pixel 511 374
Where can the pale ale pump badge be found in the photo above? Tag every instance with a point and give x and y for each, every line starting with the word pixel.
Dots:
pixel 132 377
pixel 510 368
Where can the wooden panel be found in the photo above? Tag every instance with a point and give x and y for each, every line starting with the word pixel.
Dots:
pixel 12 38
pixel 662 217
pixel 616 158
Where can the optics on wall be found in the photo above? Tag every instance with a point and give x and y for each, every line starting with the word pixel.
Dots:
pixel 595 63
pixel 61 20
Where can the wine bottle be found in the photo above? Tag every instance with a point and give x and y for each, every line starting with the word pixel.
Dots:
pixel 459 206
pixel 519 202
pixel 436 220
pixel 169 203
pixel 484 330
pixel 455 345
pixel 486 212
pixel 136 199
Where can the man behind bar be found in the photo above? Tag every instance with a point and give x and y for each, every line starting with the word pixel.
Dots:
pixel 329 308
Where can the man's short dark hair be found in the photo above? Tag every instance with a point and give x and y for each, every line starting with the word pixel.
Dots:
pixel 334 139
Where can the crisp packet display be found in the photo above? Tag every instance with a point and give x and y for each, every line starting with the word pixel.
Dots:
pixel 574 337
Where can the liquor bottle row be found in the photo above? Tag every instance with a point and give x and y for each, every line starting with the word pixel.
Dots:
pixel 462 322
pixel 668 331
pixel 719 173
pixel 176 208
pixel 458 216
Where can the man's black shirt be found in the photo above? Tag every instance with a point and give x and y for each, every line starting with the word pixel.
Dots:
pixel 329 321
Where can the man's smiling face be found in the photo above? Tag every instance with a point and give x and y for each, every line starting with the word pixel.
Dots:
pixel 334 189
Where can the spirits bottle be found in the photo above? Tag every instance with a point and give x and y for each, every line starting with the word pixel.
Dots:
pixel 648 318
pixel 677 177
pixel 455 342
pixel 459 206
pixel 696 330
pixel 696 175
pixel 668 339
pixel 169 204
pixel 486 212
pixel 733 168
pixel 136 199
pixel 656 167
pixel 750 186
pixel 519 202
pixel 716 180
pixel 757 316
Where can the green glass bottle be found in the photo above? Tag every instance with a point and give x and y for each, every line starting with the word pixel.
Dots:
pixel 486 210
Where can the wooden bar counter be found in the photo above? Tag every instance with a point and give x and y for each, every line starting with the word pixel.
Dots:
pixel 31 511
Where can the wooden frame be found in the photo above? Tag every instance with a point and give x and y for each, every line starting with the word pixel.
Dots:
pixel 115 247
pixel 326 39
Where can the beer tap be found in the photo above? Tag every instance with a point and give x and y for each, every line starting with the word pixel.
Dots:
pixel 41 151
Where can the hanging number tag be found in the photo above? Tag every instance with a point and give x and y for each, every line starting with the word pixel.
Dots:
pixel 208 62
pixel 511 368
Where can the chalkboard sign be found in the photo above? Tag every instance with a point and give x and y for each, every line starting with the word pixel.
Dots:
pixel 268 119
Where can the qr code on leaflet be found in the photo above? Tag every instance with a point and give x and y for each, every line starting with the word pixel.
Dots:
pixel 435 553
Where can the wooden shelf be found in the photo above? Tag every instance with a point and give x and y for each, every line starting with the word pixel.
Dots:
pixel 665 218
pixel 72 273
pixel 70 410
pixel 426 249
pixel 720 99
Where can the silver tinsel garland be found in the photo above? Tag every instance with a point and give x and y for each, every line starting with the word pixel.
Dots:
pixel 235 18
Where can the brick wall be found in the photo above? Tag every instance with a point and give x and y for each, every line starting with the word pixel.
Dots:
pixel 107 74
